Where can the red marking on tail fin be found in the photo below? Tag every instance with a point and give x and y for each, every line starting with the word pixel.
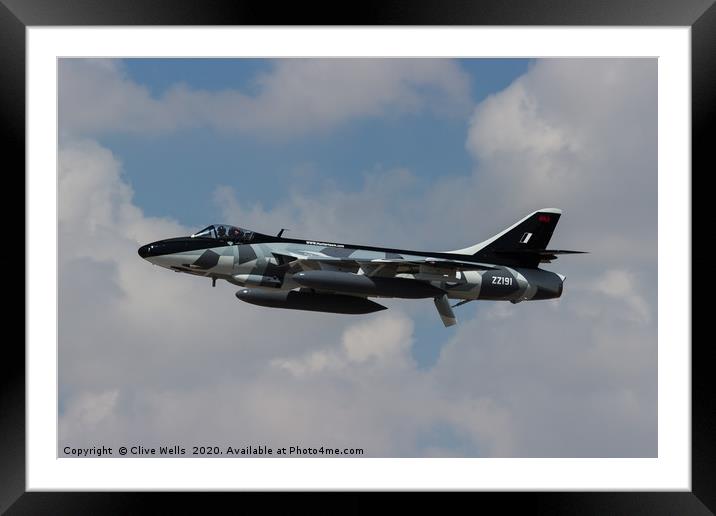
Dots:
pixel 544 218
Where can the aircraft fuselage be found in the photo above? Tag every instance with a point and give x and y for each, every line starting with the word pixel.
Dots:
pixel 257 265
pixel 339 278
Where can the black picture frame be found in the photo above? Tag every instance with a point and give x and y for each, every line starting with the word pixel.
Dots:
pixel 17 15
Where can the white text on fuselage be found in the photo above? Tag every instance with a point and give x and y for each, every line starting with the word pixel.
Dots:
pixel 311 242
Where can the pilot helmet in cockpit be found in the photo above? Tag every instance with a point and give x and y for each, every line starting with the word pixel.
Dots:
pixel 234 233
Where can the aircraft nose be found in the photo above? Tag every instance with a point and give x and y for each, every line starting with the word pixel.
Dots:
pixel 144 251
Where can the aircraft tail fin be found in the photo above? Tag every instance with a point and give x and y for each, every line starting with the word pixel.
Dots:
pixel 522 244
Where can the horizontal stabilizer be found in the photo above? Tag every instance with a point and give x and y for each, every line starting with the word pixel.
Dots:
pixel 540 252
pixel 534 255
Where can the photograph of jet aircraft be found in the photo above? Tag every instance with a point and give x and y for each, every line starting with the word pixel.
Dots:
pixel 331 277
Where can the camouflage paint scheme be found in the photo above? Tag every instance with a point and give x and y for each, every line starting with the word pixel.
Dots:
pixel 502 268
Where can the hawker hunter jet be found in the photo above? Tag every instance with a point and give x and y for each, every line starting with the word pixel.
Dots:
pixel 320 276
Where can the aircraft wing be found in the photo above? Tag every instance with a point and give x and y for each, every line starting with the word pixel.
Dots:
pixel 438 263
pixel 424 268
pixel 384 266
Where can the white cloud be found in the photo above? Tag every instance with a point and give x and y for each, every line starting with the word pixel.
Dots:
pixel 620 285
pixel 580 135
pixel 297 96
pixel 573 377
pixel 592 154
pixel 383 341
pixel 510 122
pixel 323 212
pixel 154 357
pixel 91 409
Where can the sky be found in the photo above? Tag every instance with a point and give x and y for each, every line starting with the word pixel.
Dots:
pixel 427 154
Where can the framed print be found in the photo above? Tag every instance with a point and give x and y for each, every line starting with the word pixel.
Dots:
pixel 249 153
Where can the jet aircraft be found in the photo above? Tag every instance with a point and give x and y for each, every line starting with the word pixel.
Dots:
pixel 316 275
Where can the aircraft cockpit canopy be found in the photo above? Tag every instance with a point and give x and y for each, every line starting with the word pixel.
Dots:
pixel 225 232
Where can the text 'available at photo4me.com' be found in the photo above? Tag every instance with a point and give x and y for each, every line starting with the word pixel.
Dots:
pixel 175 450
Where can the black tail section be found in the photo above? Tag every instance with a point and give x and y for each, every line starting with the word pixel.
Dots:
pixel 522 245
pixel 533 232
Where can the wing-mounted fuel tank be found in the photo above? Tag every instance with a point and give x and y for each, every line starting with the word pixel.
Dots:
pixel 366 285
pixel 297 300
